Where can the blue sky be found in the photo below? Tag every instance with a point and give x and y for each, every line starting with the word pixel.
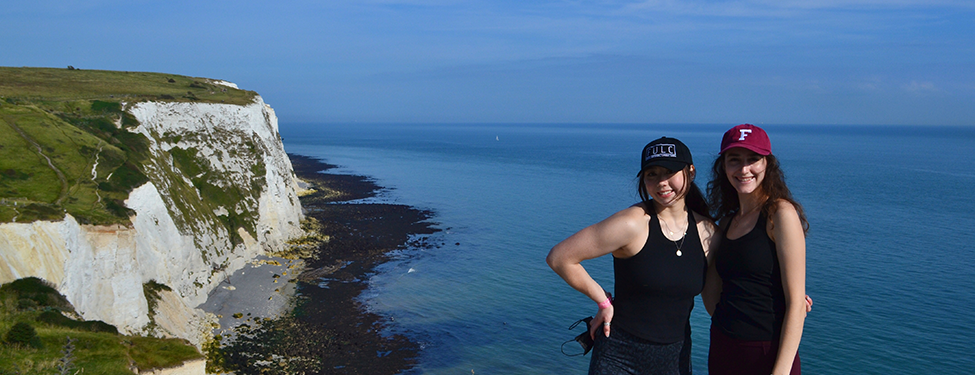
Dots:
pixel 760 61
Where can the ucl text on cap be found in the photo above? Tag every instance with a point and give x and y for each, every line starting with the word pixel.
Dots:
pixel 666 152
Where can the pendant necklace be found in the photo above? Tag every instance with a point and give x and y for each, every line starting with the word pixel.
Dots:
pixel 682 237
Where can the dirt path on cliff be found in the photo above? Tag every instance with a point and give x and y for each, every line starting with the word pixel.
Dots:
pixel 40 151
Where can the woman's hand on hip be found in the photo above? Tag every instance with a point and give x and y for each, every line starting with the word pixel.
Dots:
pixel 602 321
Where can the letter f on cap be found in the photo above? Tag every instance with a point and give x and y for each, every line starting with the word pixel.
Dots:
pixel 744 132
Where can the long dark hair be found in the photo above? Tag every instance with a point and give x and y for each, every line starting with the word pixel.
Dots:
pixel 692 195
pixel 724 197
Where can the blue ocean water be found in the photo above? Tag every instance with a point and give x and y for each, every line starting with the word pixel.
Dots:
pixel 890 258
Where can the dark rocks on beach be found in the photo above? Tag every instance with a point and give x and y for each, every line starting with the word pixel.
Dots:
pixel 330 331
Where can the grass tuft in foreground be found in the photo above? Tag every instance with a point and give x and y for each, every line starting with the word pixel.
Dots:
pixel 47 342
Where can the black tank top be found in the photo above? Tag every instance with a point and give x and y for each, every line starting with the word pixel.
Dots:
pixel 655 288
pixel 752 304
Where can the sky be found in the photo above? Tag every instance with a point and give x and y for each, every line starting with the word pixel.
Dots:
pixel 903 62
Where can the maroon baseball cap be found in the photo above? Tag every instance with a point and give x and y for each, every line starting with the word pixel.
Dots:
pixel 747 136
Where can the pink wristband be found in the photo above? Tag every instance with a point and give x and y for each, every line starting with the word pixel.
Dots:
pixel 606 303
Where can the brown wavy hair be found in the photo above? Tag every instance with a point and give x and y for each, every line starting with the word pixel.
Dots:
pixel 724 197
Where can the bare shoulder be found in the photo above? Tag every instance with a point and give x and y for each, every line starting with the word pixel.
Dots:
pixel 628 219
pixel 784 205
pixel 785 221
pixel 635 209
pixel 634 216
pixel 785 211
pixel 707 231
pixel 625 231
pixel 704 223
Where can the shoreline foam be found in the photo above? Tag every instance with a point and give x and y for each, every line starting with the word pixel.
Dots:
pixel 327 323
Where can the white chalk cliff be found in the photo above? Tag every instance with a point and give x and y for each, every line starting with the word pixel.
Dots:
pixel 178 236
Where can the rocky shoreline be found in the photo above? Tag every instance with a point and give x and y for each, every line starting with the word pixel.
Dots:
pixel 329 330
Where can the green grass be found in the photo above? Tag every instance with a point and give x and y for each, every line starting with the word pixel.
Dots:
pixel 65 148
pixel 95 352
pixel 25 171
pixel 60 85
pixel 149 352
pixel 57 125
pixel 97 349
pixel 47 162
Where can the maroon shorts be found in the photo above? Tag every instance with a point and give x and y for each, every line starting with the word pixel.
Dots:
pixel 730 356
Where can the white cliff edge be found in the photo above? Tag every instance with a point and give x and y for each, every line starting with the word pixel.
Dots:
pixel 176 238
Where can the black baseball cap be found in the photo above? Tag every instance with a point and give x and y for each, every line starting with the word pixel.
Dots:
pixel 666 152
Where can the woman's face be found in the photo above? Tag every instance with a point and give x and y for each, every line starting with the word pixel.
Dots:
pixel 745 169
pixel 664 186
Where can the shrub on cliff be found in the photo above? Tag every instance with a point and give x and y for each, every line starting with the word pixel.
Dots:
pixel 33 293
pixel 55 318
pixel 85 352
pixel 23 334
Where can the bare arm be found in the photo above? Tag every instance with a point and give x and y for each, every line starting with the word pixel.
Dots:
pixel 617 234
pixel 712 289
pixel 790 246
pixel 710 240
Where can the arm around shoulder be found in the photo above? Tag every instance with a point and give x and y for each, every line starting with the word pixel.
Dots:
pixel 710 239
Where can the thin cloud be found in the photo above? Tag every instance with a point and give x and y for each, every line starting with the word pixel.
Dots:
pixel 920 87
pixel 785 8
pixel 546 60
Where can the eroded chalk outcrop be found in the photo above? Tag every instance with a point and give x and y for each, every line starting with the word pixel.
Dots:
pixel 221 192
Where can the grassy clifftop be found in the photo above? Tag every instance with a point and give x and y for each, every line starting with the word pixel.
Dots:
pixel 64 147
pixel 60 85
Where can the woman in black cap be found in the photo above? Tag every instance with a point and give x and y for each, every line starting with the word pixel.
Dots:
pixel 759 270
pixel 660 250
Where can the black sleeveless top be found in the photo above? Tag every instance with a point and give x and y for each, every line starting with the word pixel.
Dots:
pixel 655 288
pixel 752 304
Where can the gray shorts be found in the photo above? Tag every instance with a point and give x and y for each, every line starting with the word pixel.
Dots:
pixel 623 353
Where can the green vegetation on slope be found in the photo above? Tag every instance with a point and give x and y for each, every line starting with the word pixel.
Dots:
pixel 64 144
pixel 66 85
pixel 57 342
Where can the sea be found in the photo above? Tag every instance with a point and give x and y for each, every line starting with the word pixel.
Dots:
pixel 890 251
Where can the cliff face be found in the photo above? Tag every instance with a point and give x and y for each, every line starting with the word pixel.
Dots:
pixel 221 191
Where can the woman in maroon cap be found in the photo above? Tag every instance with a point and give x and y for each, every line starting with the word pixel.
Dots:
pixel 756 283
pixel 660 250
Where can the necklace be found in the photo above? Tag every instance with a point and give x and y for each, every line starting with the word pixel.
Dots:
pixel 682 236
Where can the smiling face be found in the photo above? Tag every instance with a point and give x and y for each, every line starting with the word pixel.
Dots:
pixel 664 186
pixel 745 169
